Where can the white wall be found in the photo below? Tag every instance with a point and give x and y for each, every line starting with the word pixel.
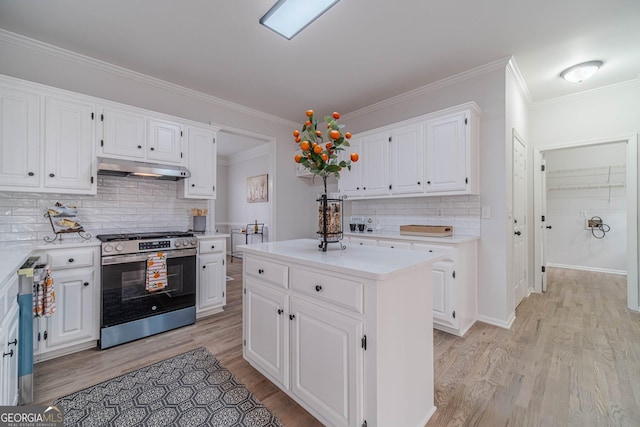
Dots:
pixel 487 89
pixel 41 63
pixel 573 178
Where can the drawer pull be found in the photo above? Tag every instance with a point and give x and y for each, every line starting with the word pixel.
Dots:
pixel 318 288
pixel 139 147
pixel 10 354
pixel 71 260
pixel 260 271
pixel 213 246
pixel 52 175
pixel 30 174
pixel 204 266
pixel 14 342
pixel 280 311
pixel 85 284
pixel 292 316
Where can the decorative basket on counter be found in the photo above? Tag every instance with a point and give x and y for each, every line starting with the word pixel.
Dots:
pixel 329 221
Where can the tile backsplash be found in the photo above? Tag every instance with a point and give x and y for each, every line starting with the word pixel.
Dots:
pixel 461 212
pixel 122 205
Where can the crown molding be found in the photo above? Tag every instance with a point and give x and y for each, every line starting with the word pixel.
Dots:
pixel 60 53
pixel 514 70
pixel 431 87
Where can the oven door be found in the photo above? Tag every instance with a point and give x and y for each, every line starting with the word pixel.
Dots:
pixel 124 295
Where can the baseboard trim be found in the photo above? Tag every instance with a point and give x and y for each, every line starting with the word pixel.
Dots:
pixel 582 268
pixel 506 324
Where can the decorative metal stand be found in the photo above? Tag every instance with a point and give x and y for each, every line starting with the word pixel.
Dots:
pixel 64 224
pixel 329 221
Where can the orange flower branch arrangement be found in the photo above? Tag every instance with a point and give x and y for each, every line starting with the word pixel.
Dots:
pixel 322 158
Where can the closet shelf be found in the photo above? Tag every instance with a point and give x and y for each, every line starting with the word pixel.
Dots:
pixel 585 187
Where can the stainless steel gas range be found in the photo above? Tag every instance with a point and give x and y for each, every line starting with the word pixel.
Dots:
pixel 129 309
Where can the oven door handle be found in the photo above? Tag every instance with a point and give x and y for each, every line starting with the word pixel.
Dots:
pixel 124 259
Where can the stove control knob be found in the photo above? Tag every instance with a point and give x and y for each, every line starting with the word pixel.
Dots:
pixel 107 248
pixel 119 247
pixel 193 242
pixel 178 243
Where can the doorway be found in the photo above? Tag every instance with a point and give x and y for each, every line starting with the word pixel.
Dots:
pixel 586 210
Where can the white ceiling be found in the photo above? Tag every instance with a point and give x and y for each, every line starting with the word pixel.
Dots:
pixel 359 53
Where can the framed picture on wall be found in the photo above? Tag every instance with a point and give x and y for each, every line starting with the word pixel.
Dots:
pixel 257 189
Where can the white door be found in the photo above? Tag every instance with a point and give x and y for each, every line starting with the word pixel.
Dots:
pixel 73 319
pixel 446 153
pixel 202 163
pixel 519 220
pixel 165 141
pixel 123 133
pixel 326 361
pixel 265 338
pixel 211 281
pixel 407 159
pixel 350 182
pixel 375 164
pixel 544 227
pixel 68 137
pixel 19 138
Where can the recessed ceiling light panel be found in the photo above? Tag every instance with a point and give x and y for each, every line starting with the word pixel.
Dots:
pixel 581 72
pixel 289 17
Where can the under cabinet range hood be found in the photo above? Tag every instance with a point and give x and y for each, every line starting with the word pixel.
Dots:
pixel 117 167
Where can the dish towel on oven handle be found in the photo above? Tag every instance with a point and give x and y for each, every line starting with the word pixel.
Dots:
pixel 156 272
pixel 44 295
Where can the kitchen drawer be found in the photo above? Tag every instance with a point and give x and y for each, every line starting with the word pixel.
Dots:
pixel 436 249
pixel 211 246
pixel 344 292
pixel 394 244
pixel 70 258
pixel 8 294
pixel 362 241
pixel 267 271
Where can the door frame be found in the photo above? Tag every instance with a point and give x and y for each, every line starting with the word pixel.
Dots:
pixel 517 138
pixel 633 287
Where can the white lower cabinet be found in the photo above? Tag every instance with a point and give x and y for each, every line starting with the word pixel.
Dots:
pixel 9 363
pixel 212 273
pixel 453 280
pixel 75 322
pixel 326 360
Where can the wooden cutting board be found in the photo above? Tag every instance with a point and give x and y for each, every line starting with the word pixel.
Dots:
pixel 427 230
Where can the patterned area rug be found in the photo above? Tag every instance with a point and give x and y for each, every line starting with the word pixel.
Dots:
pixel 191 389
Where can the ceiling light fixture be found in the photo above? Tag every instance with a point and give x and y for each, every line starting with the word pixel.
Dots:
pixel 581 72
pixel 289 17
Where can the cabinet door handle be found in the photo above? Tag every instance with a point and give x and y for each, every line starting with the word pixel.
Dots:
pixel 204 266
pixel 517 233
pixel 292 316
pixel 85 284
pixel 71 260
pixel 52 175
pixel 548 227
pixel 429 182
pixel 14 342
pixel 152 149
pixel 213 246
pixel 30 174
pixel 280 311
pixel 418 182
pixel 139 147
pixel 10 354
pixel 193 185
pixel 318 288
pixel 260 271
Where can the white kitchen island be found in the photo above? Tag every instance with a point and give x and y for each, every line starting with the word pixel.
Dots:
pixel 346 333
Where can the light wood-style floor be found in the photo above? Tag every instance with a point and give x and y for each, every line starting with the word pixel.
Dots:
pixel 572 358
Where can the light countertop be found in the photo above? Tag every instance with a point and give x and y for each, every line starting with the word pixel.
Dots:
pixel 365 261
pixel 14 254
pixel 211 235
pixel 456 238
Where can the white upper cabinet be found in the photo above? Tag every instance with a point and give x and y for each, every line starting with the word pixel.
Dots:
pixel 165 141
pixel 451 158
pixel 350 182
pixel 19 137
pixel 375 164
pixel 68 144
pixel 123 134
pixel 407 160
pixel 201 162
pixel 129 133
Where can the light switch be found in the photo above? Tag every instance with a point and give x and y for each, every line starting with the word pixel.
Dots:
pixel 583 213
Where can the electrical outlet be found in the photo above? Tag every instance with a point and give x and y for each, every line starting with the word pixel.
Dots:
pixel 583 213
pixel 592 223
pixel 357 219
